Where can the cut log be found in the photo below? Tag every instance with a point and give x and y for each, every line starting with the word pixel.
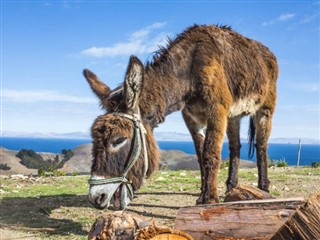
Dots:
pixel 119 226
pixel 305 222
pixel 245 192
pixel 258 219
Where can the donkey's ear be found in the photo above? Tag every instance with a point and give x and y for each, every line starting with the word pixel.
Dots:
pixel 98 87
pixel 133 82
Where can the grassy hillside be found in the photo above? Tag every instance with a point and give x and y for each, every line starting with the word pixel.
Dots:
pixel 57 207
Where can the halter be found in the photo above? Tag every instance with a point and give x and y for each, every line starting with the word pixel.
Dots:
pixel 139 138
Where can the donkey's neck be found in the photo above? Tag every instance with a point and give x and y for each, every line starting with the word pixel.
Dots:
pixel 167 82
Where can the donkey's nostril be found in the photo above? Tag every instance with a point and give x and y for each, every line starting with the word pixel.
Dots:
pixel 101 199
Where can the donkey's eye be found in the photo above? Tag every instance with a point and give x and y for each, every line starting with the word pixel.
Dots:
pixel 118 142
pixel 150 117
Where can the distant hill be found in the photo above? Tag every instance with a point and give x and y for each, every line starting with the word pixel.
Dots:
pixel 9 158
pixel 81 161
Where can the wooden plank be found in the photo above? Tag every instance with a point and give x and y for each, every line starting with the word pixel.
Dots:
pixel 305 222
pixel 258 219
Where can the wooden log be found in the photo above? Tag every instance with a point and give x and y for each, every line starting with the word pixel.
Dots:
pixel 120 225
pixel 305 222
pixel 245 192
pixel 258 219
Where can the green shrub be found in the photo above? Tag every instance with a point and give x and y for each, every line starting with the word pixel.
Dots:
pixel 58 173
pixel 224 164
pixel 315 164
pixel 4 167
pixel 278 163
pixel 282 163
pixel 41 172
pixel 31 159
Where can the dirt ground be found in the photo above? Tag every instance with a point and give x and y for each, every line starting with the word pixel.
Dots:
pixel 69 216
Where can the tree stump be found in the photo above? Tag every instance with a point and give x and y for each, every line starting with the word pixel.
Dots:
pixel 245 192
pixel 120 226
pixel 305 222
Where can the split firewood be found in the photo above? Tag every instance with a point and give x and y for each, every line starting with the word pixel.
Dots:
pixel 120 226
pixel 116 225
pixel 161 233
pixel 305 222
pixel 245 192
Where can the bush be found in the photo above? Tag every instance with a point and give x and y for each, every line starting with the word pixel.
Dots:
pixel 67 154
pixel 41 172
pixel 30 159
pixel 282 163
pixel 224 164
pixel 4 167
pixel 58 173
pixel 278 163
pixel 315 164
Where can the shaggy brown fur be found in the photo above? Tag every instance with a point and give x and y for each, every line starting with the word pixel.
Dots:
pixel 214 76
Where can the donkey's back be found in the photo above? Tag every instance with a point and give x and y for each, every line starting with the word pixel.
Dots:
pixel 247 67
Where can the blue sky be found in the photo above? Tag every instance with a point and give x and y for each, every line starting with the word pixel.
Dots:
pixel 46 44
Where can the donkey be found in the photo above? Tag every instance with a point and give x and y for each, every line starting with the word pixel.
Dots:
pixel 214 76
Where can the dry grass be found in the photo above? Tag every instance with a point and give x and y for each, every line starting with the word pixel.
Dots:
pixel 57 208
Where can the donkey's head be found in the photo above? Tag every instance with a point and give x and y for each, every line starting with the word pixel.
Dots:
pixel 124 149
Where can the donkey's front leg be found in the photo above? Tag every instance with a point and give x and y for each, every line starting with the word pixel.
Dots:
pixel 216 128
pixel 196 129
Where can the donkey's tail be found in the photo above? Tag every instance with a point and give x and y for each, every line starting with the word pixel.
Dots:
pixel 251 137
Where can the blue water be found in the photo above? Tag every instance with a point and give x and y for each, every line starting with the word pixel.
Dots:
pixel 54 145
pixel 287 152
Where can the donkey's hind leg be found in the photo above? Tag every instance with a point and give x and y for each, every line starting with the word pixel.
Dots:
pixel 197 133
pixel 263 123
pixel 233 132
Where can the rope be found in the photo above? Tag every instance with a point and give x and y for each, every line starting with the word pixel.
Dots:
pixel 139 137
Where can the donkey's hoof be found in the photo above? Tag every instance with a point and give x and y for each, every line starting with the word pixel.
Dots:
pixel 204 200
pixel 199 201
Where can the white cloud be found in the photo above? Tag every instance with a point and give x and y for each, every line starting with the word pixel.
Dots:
pixel 45 95
pixel 281 18
pixel 139 42
pixel 305 87
pixel 309 18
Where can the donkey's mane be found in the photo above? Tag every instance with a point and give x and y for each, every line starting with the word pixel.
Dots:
pixel 162 59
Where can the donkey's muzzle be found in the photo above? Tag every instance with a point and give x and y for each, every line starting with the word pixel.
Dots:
pixel 100 196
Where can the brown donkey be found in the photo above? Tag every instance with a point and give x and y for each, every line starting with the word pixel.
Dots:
pixel 215 76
